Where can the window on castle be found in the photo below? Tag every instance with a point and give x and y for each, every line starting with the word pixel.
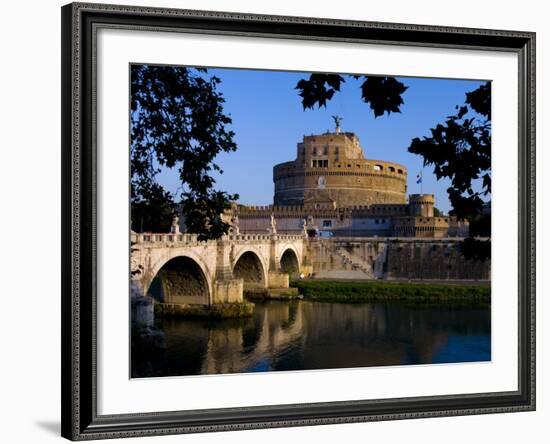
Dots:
pixel 392 169
pixel 377 168
pixel 327 223
pixel 400 171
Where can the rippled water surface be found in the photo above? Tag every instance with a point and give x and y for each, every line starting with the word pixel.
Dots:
pixel 307 335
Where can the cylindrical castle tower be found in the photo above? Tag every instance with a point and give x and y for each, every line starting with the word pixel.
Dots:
pixel 332 166
pixel 422 205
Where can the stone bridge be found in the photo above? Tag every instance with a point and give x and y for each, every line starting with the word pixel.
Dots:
pixel 180 269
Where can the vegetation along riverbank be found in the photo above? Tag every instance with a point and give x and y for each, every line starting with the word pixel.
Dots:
pixel 387 291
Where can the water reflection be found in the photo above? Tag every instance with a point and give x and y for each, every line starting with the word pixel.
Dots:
pixel 307 335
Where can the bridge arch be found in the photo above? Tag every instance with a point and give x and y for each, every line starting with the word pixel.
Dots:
pixel 289 261
pixel 180 279
pixel 250 267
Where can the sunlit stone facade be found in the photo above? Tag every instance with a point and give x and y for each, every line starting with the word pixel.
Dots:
pixel 333 166
pixel 333 187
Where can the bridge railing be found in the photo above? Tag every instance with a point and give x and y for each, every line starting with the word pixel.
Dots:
pixel 185 238
pixel 262 237
pixel 164 238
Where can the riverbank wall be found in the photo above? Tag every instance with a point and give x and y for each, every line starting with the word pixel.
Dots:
pixel 394 258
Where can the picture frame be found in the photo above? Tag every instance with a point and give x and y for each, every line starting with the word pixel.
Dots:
pixel 80 211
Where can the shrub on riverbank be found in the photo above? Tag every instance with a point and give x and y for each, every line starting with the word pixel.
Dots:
pixel 376 291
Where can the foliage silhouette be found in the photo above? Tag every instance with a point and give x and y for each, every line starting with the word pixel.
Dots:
pixel 177 121
pixel 383 94
pixel 460 150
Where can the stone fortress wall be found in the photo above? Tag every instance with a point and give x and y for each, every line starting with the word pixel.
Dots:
pixel 395 258
pixel 335 188
pixel 333 166
pixel 413 219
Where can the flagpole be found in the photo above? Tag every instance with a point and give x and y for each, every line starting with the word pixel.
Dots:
pixel 420 181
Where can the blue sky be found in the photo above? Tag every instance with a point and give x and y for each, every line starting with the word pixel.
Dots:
pixel 268 121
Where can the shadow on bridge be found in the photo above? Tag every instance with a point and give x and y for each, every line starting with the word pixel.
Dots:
pixel 180 281
pixel 249 268
pixel 289 263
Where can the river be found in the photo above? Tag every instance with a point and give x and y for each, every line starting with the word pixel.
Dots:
pixel 304 335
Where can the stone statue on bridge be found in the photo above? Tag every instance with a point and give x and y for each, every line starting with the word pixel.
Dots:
pixel 273 225
pixel 175 228
pixel 235 225
pixel 304 228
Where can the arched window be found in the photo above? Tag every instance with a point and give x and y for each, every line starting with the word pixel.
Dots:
pixel 392 169
pixel 377 168
pixel 400 171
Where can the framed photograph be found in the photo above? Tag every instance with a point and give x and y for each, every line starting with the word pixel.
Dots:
pixel 275 221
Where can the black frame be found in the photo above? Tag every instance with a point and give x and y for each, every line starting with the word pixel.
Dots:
pixel 79 397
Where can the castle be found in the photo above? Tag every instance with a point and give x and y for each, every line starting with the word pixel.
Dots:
pixel 331 187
